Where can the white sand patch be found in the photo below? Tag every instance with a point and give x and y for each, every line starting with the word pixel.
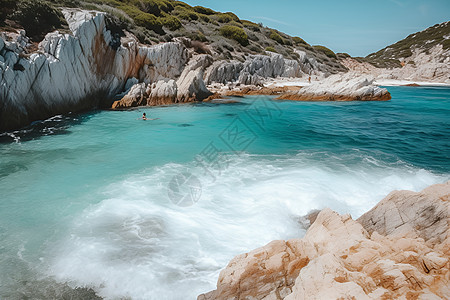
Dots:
pixel 393 82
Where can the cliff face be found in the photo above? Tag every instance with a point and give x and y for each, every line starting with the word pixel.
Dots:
pixel 398 250
pixel 91 67
pixel 74 72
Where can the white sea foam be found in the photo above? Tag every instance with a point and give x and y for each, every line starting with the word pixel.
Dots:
pixel 137 243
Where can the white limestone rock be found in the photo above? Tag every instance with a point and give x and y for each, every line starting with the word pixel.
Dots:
pixel 191 85
pixel 223 72
pixel 74 72
pixel 163 92
pixel 340 87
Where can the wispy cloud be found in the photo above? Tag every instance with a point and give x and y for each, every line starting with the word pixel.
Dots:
pixel 399 3
pixel 270 20
pixel 424 9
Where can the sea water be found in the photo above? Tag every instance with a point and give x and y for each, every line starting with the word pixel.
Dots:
pixel 106 205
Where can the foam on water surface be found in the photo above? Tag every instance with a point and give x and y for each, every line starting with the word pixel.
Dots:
pixel 94 203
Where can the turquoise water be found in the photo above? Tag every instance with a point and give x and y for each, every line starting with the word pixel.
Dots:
pixel 92 200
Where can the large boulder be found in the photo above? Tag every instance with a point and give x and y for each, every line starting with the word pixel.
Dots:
pixel 339 259
pixel 340 87
pixel 424 214
pixel 191 86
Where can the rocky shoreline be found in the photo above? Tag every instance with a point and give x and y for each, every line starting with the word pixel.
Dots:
pixel 398 250
pixel 93 67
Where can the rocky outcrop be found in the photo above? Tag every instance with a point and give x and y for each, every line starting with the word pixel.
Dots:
pixel 76 72
pixel 255 69
pixel 432 65
pixel 340 87
pixel 419 215
pixel 339 258
pixel 92 66
pixel 189 87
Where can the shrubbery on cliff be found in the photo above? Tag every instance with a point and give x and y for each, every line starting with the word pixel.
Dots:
pixel 154 21
pixel 325 51
pixel 276 37
pixel 235 33
pixel 37 17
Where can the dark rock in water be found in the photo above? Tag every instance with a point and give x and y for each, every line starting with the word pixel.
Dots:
pixel 307 220
pixel 185 125
pixel 230 115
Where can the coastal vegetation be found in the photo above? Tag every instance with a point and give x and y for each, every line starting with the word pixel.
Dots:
pixel 325 51
pixel 390 56
pixel 155 21
pixel 235 33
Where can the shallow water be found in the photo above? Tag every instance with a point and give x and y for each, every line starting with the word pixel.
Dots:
pixel 154 209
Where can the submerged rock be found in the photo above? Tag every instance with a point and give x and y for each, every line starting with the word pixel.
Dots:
pixel 340 87
pixel 339 258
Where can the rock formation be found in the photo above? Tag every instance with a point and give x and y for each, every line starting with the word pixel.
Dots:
pixel 189 87
pixel 75 72
pixel 423 56
pixel 421 66
pixel 91 67
pixel 340 258
pixel 340 87
pixel 255 69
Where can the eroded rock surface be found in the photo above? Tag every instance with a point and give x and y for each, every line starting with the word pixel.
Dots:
pixel 340 87
pixel 76 72
pixel 423 214
pixel 340 259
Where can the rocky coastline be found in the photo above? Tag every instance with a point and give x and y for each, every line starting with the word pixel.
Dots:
pixel 398 250
pixel 92 67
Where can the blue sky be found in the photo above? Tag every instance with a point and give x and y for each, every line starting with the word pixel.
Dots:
pixel 358 27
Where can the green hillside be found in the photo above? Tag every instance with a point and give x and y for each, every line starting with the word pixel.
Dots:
pixel 155 21
pixel 424 40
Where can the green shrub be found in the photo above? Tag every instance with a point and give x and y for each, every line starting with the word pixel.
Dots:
pixel 224 18
pixel 181 4
pixel 271 49
pixel 204 10
pixel 154 7
pixel 325 51
pixel 250 25
pixel 234 23
pixel 235 33
pixel 255 48
pixel 171 22
pixel 149 21
pixel 204 18
pixel 37 17
pixel 446 44
pixel 197 36
pixel 185 14
pixel 276 37
pixel 233 16
pixel 150 7
pixel 130 10
pixel 7 7
pixel 299 41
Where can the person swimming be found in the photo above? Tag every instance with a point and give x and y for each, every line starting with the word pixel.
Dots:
pixel 144 116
